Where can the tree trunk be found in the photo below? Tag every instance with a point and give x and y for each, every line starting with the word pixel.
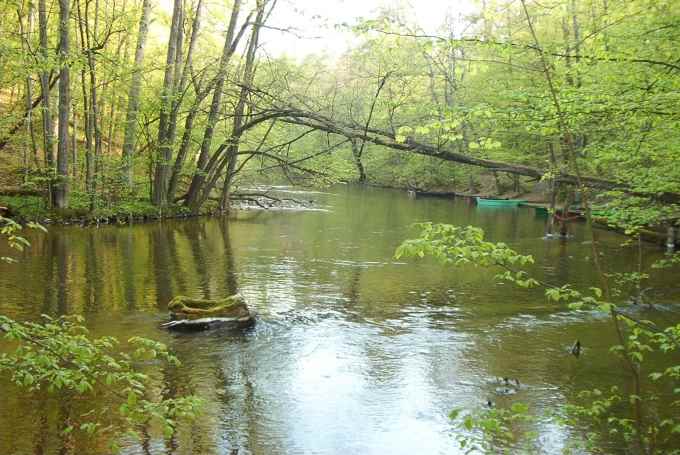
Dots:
pixel 216 165
pixel 183 149
pixel 387 139
pixel 577 36
pixel 27 31
pixel 74 142
pixel 552 212
pixel 61 186
pixel 356 152
pixel 30 130
pixel 516 188
pixel 189 121
pixel 94 116
pixel 130 140
pixel 248 75
pixel 47 123
pixel 118 97
pixel 199 176
pixel 89 155
pixel 177 95
pixel 359 151
pixel 87 111
pixel 564 220
pixel 160 183
pixel 497 181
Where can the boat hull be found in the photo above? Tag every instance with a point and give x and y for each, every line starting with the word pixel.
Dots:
pixel 499 202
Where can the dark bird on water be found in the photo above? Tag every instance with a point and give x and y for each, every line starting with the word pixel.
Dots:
pixel 576 349
pixel 513 382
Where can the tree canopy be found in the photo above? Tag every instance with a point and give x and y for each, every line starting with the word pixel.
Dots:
pixel 111 102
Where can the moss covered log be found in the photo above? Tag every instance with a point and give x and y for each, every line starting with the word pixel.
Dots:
pixel 234 307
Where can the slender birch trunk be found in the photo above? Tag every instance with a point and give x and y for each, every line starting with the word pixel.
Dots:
pixel 160 182
pixel 61 186
pixel 47 121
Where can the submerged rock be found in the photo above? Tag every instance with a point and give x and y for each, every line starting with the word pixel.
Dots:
pixel 202 314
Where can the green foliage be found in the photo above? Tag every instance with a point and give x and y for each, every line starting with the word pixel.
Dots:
pixel 10 230
pixel 496 430
pixel 470 88
pixel 59 357
pixel 26 207
pixel 85 208
pixel 458 245
pixel 634 213
pixel 639 419
pixel 671 259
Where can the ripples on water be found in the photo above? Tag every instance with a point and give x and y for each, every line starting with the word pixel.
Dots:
pixel 354 352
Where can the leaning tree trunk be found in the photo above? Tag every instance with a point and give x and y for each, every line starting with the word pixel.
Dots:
pixel 160 183
pixel 218 162
pixel 130 140
pixel 61 187
pixel 199 176
pixel 183 77
pixel 358 151
pixel 184 145
pixel 248 76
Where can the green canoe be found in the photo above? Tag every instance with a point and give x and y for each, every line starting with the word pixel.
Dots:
pixel 481 202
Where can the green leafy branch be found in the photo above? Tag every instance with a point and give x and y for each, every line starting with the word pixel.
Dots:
pixel 465 245
pixel 10 229
pixel 495 430
pixel 59 357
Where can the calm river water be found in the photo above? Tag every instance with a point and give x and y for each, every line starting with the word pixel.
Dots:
pixel 354 352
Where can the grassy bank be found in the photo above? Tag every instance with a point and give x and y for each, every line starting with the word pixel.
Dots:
pixel 26 208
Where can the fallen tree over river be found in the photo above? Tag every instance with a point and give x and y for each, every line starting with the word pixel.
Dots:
pixel 387 139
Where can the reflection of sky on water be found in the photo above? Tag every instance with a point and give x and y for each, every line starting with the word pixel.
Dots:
pixel 355 352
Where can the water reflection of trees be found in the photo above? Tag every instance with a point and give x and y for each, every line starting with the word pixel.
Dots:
pixel 162 250
pixel 57 274
pixel 401 347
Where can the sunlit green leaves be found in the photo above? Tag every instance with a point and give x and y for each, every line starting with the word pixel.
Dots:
pixel 58 356
pixel 9 230
pixel 460 245
pixel 496 429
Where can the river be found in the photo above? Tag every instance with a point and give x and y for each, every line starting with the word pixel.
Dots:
pixel 354 351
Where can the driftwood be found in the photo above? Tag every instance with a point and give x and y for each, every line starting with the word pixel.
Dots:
pixel 201 314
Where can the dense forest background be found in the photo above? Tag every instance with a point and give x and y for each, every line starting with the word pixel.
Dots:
pixel 116 109
pixel 134 105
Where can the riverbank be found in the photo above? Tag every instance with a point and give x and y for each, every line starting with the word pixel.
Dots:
pixel 33 208
pixel 663 235
pixel 30 208
pixel 26 205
